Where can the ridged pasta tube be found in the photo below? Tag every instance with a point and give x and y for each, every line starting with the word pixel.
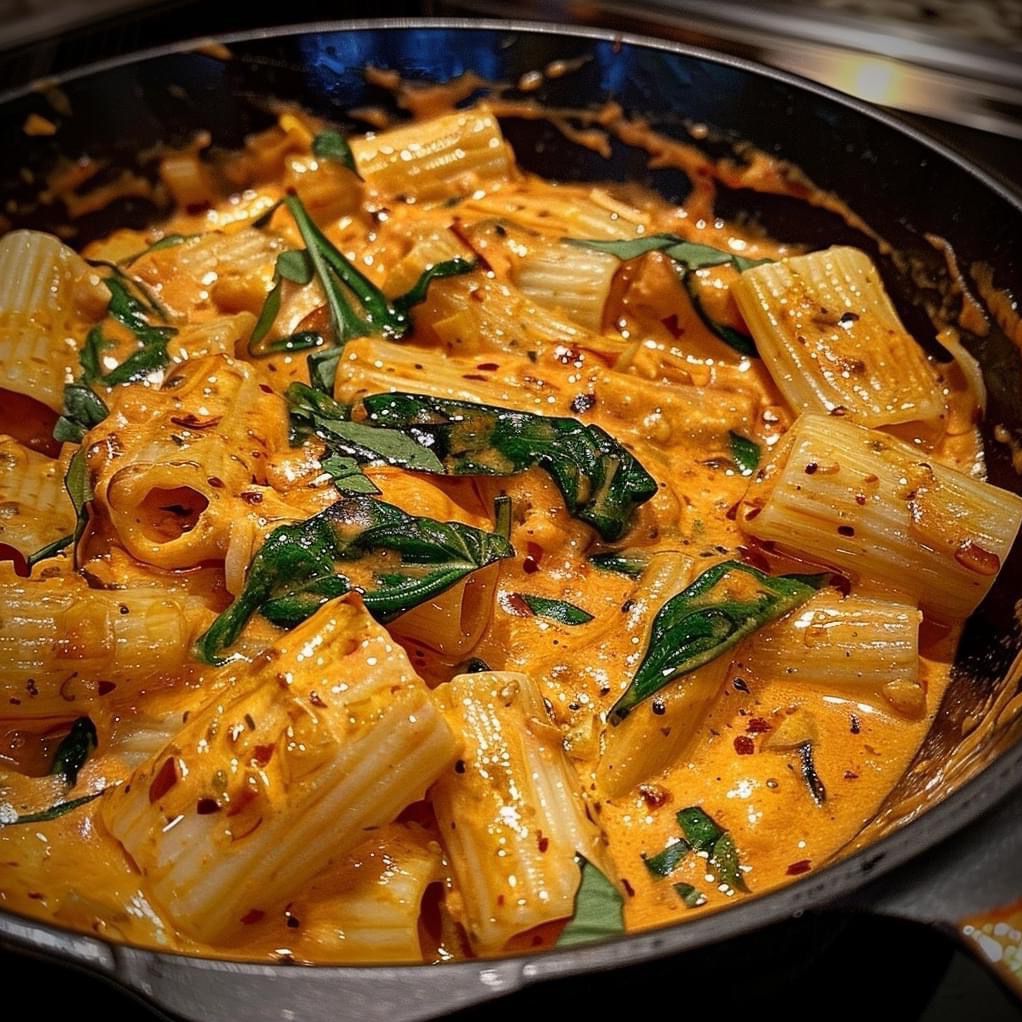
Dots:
pixel 831 339
pixel 510 809
pixel 34 506
pixel 874 507
pixel 330 733
pixel 39 353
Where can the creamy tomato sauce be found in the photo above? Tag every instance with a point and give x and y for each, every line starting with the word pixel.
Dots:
pixel 72 872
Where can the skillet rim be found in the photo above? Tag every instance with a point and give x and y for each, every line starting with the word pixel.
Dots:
pixel 947 817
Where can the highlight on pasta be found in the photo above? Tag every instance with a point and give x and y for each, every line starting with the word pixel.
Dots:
pixel 409 558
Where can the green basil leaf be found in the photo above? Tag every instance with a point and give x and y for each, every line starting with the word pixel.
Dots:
pixel 301 566
pixel 692 897
pixel 50 550
pixel 725 864
pixel 167 241
pixel 742 343
pixel 74 750
pixel 601 482
pixel 347 475
pixel 333 146
pixel 294 265
pixel 712 615
pixel 438 271
pixel 45 815
pixel 323 369
pixel 744 453
pixel 599 909
pixel 90 355
pixel 704 834
pixel 82 410
pixel 631 248
pixel 700 830
pixel 502 516
pixel 556 610
pixel 631 563
pixel 79 488
pixel 666 862
pixel 267 317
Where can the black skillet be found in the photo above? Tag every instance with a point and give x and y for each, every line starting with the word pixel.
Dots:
pixel 957 859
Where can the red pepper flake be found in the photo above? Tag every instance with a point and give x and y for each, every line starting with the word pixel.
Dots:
pixel 629 890
pixel 245 797
pixel 753 512
pixel 207 806
pixel 488 367
pixel 796 868
pixel 860 499
pixel 741 684
pixel 104 688
pixel 846 530
pixel 850 775
pixel 262 754
pixel 165 779
pixel 744 745
pixel 811 468
pixel 251 497
pixel 317 700
pixel 215 482
pixel 758 726
pixel 972 556
pixel 543 842
pixel 534 554
pixel 252 916
pixel 517 605
pixel 291 919
pixel 654 796
pixel 265 389
pixel 474 376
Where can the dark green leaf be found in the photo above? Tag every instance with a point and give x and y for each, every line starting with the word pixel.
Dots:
pixel 167 241
pixel 712 615
pixel 601 482
pixel 267 317
pixel 556 610
pixel 742 343
pixel 323 369
pixel 502 516
pixel 599 909
pixel 82 410
pixel 666 862
pixel 301 566
pixel 74 750
pixel 90 355
pixel 744 453
pixel 45 815
pixel 631 248
pixel 48 551
pixel 347 476
pixel 816 787
pixel 79 488
pixel 332 145
pixel 624 562
pixel 153 340
pixel 700 830
pixel 294 265
pixel 418 291
pixel 725 865
pixel 692 897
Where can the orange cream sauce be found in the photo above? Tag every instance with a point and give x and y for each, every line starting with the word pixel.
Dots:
pixel 70 872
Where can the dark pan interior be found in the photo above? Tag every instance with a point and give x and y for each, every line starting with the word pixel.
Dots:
pixel 895 182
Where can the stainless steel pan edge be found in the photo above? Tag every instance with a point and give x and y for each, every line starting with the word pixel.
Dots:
pixel 211 990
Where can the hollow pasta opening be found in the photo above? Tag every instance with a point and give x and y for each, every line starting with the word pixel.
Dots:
pixel 167 514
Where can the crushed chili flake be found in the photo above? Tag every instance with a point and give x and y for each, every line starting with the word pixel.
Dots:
pixel 105 687
pixel 262 754
pixel 317 700
pixel 744 745
pixel 206 806
pixel 488 367
pixel 758 726
pixel 972 556
pixel 802 866
pixel 251 497
pixel 850 775
pixel 741 684
pixel 846 530
pixel 517 605
pixel 654 796
pixel 629 890
pixel 252 916
pixel 543 842
pixel 165 779
pixel 191 421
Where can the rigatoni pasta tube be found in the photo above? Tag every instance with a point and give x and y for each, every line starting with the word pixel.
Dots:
pixel 510 809
pixel 852 645
pixel 61 642
pixel 168 466
pixel 450 155
pixel 831 339
pixel 34 506
pixel 331 733
pixel 876 508
pixel 367 907
pixel 39 352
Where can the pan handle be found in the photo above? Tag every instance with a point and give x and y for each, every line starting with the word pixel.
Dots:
pixel 970 887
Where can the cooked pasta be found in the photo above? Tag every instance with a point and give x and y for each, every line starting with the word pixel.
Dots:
pixel 412 558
